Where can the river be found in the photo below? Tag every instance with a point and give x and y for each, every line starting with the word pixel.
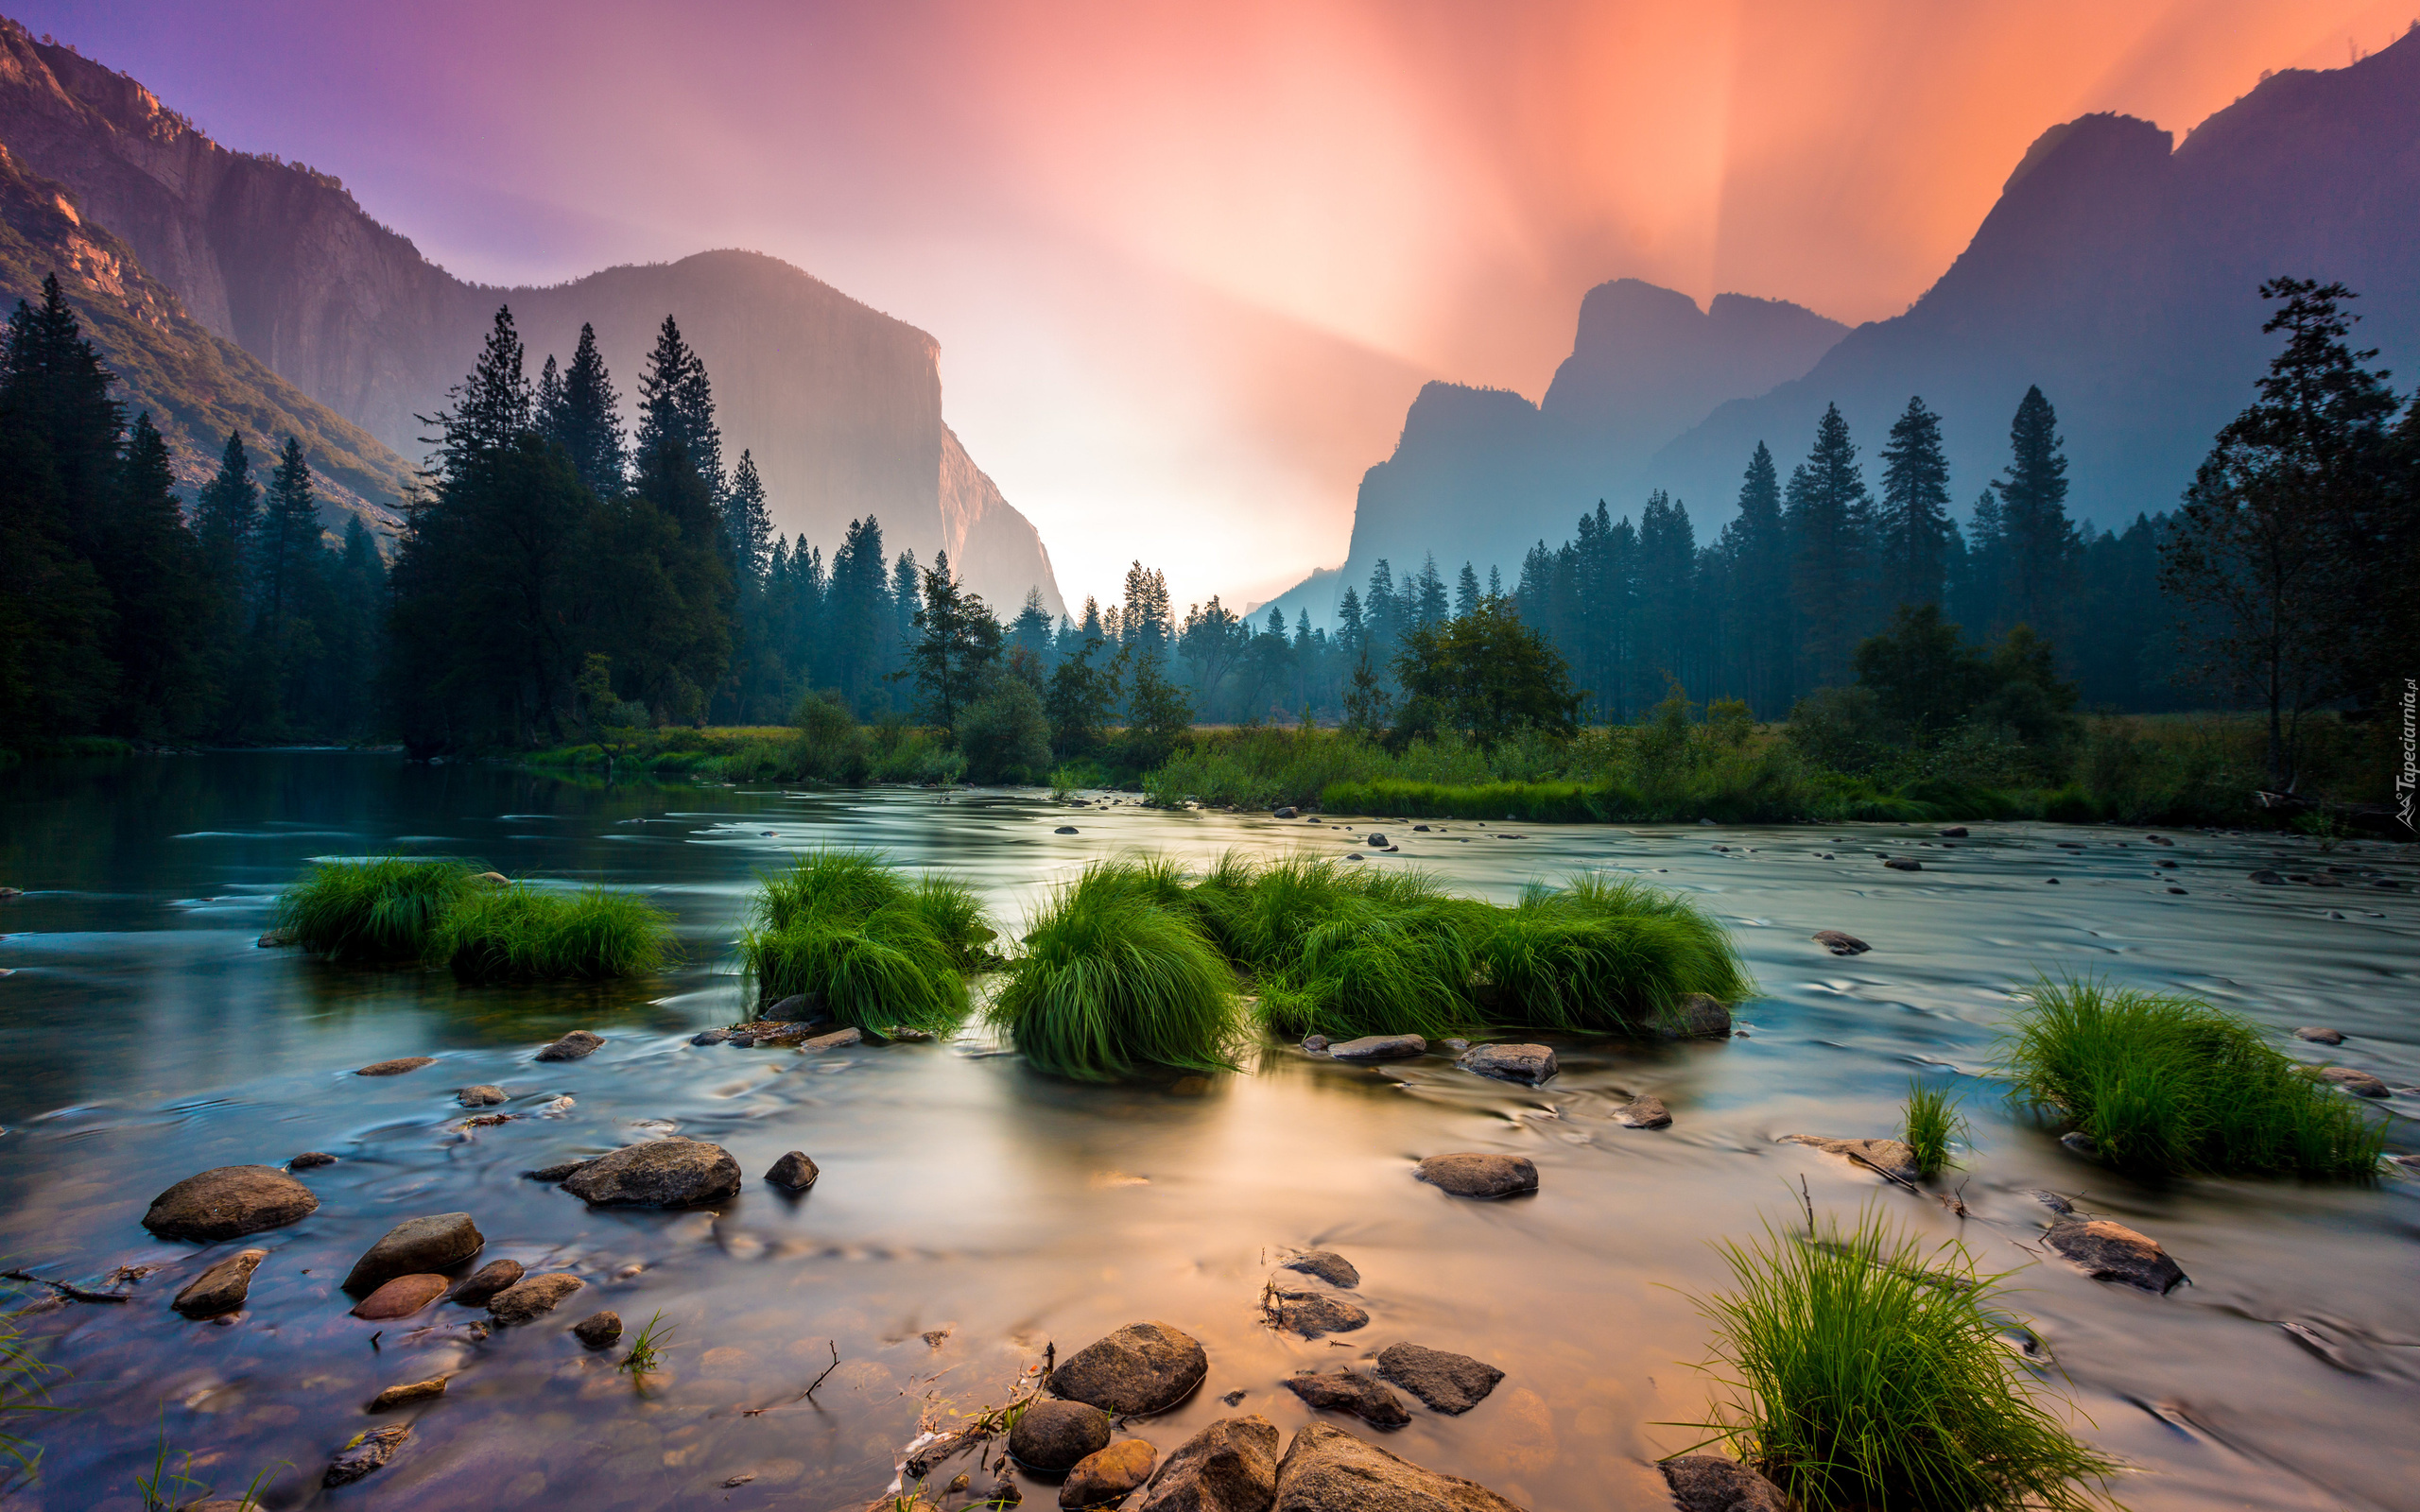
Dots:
pixel 972 1212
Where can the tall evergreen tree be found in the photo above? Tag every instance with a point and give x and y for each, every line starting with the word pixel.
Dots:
pixel 2038 538
pixel 1828 515
pixel 1912 524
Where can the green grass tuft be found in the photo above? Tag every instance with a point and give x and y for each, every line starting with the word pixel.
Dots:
pixel 880 949
pixel 2168 1084
pixel 1117 977
pixel 387 909
pixel 517 934
pixel 1932 1120
pixel 1605 957
pixel 1860 1372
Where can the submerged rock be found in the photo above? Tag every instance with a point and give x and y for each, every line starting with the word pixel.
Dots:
pixel 1381 1047
pixel 368 1452
pixel 538 1294
pixel 222 1288
pixel 2359 1083
pixel 2113 1252
pixel 1141 1368
pixel 1052 1437
pixel 1646 1110
pixel 396 1067
pixel 1891 1156
pixel 1315 1313
pixel 1327 1266
pixel 1481 1176
pixel 1229 1466
pixel 434 1241
pixel 1709 1483
pixel 485 1282
pixel 404 1394
pixel 1840 943
pixel 228 1202
pixel 577 1045
pixel 1107 1476
pixel 1526 1064
pixel 1451 1383
pixel 400 1297
pixel 793 1172
pixel 1327 1469
pixel 598 1331
pixel 1350 1391
pixel 674 1173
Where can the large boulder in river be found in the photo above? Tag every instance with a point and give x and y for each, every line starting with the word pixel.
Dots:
pixel 1526 1064
pixel 660 1174
pixel 222 1288
pixel 1709 1483
pixel 1051 1436
pixel 433 1243
pixel 229 1202
pixel 2111 1252
pixel 1450 1384
pixel 1481 1176
pixel 1229 1466
pixel 1142 1367
pixel 1327 1469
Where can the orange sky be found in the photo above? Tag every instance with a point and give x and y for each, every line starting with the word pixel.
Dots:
pixel 1190 263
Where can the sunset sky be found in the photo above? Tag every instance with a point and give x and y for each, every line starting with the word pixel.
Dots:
pixel 1188 263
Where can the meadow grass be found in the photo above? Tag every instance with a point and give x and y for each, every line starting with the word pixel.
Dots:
pixel 1860 1372
pixel 881 949
pixel 1930 1122
pixel 385 910
pixel 1604 957
pixel 2166 1084
pixel 1118 978
pixel 517 934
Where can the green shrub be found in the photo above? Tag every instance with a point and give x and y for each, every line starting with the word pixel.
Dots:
pixel 2166 1083
pixel 880 950
pixel 1116 979
pixel 1605 957
pixel 386 909
pixel 1860 1372
pixel 1930 1123
pixel 517 934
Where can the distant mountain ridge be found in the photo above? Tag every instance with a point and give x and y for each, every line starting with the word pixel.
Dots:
pixel 841 404
pixel 2117 270
pixel 195 385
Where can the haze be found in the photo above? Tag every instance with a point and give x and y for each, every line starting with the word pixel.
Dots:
pixel 1188 264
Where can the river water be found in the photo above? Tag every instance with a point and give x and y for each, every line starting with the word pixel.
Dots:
pixel 972 1212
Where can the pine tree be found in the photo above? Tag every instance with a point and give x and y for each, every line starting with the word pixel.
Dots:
pixel 588 420
pixel 1828 513
pixel 1912 525
pixel 2039 539
pixel 677 404
pixel 747 524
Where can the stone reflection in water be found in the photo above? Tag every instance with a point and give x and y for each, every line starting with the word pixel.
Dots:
pixel 968 1215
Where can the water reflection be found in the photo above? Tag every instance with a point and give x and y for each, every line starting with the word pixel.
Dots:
pixel 971 1212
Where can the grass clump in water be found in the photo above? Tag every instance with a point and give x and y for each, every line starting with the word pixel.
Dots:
pixel 517 934
pixel 1863 1373
pixel 880 949
pixel 1605 957
pixel 1116 977
pixel 2164 1083
pixel 386 909
pixel 1931 1121
pixel 1346 953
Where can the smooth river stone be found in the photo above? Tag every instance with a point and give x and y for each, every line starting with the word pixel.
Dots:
pixel 400 1297
pixel 229 1202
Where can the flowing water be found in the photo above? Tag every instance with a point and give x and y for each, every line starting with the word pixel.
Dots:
pixel 972 1212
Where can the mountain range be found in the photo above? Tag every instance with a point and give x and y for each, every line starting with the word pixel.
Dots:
pixel 841 404
pixel 2118 270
